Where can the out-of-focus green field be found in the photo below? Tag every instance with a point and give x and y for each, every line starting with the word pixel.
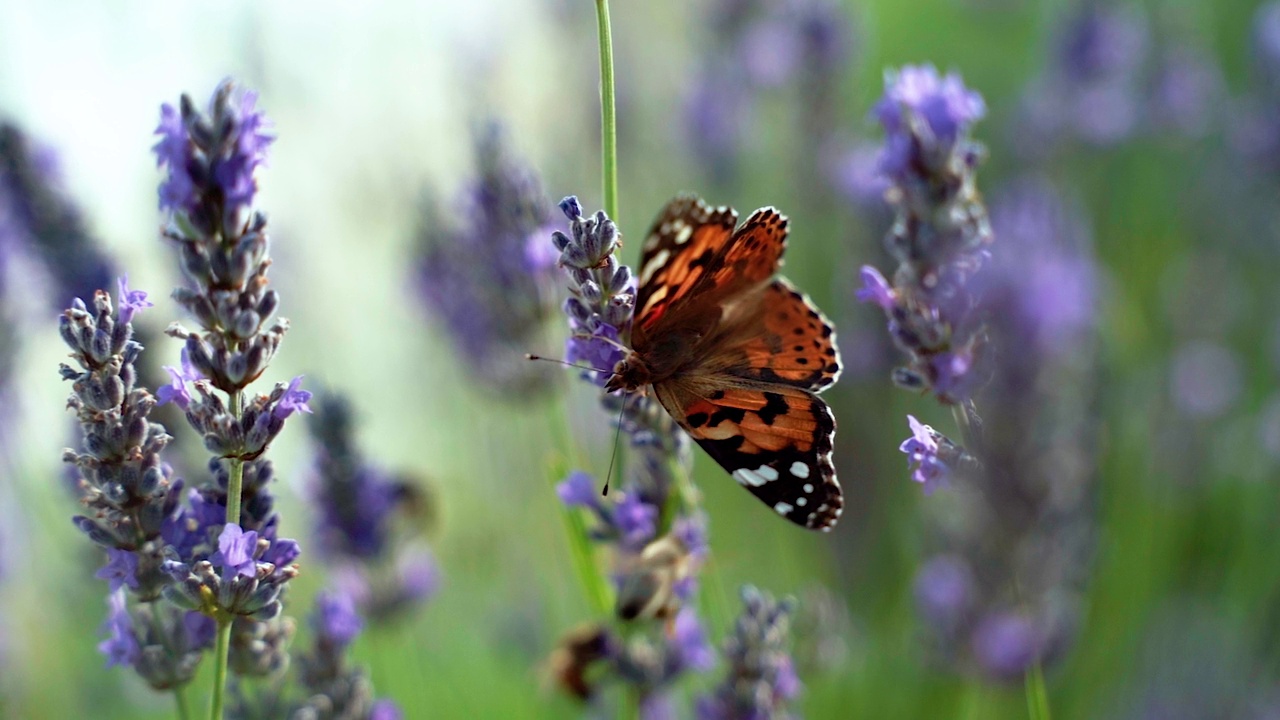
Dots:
pixel 374 102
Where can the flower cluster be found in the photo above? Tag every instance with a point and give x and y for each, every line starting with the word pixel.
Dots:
pixel 1013 542
pixel 751 49
pixel 336 690
pixel 940 232
pixel 357 504
pixel 656 531
pixel 593 656
pixel 129 492
pixel 490 280
pixel 231 563
pixel 761 677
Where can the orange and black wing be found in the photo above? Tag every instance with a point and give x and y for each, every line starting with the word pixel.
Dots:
pixel 775 440
pixel 787 340
pixel 694 259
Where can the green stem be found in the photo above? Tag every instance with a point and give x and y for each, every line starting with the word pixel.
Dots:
pixel 608 120
pixel 220 651
pixel 180 699
pixel 593 581
pixel 223 646
pixel 1037 694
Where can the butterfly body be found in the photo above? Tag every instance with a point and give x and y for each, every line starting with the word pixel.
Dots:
pixel 737 356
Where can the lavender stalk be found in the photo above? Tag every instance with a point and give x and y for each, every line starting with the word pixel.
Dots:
pixel 209 189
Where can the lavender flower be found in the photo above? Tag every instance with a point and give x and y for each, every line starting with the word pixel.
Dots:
pixel 121 479
pixel 336 690
pixel 761 678
pixel 36 212
pixel 489 281
pixel 940 234
pixel 1091 87
pixel 1015 530
pixel 755 49
pixel 591 658
pixel 357 505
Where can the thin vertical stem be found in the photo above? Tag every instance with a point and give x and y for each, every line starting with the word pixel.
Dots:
pixel 223 645
pixel 180 700
pixel 1037 694
pixel 608 120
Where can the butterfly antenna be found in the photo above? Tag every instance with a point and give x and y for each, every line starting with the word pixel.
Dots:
pixel 531 356
pixel 613 450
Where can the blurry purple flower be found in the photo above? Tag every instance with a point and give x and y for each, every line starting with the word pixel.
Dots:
pixel 761 676
pixel 1186 92
pixel 120 569
pixel 174 150
pixel 336 618
pixel 635 519
pixel 922 451
pixel 855 173
pixel 770 52
pixel 578 490
pixel 418 572
pixel 385 710
pixel 201 629
pixel 944 589
pixel 131 301
pixel 942 102
pixel 235 550
pixel 294 400
pixel 1205 379
pixel 121 646
pixel 658 706
pixel 691 531
pixel 690 642
pixel 1006 645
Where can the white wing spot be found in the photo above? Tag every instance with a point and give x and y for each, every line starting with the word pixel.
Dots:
pixel 748 477
pixel 683 236
pixel 783 508
pixel 767 473
pixel 801 471
pixel 801 502
pixel 808 487
pixel 655 262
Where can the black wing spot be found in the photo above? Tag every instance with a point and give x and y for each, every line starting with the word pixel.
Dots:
pixel 774 406
pixel 833 368
pixel 697 420
pixel 734 415
pixel 717 395
pixel 798 331
pixel 798 348
pixel 802 361
pixel 826 331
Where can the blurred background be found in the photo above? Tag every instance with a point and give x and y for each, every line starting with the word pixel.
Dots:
pixel 1135 145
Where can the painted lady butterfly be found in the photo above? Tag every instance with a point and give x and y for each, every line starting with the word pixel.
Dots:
pixel 738 356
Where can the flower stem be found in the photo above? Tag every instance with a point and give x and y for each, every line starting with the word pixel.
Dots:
pixel 593 581
pixel 180 700
pixel 1037 694
pixel 223 646
pixel 220 651
pixel 608 120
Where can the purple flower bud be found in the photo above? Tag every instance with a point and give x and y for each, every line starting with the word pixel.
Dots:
pixel 635 520
pixel 1006 645
pixel 689 641
pixel 121 646
pixel 875 289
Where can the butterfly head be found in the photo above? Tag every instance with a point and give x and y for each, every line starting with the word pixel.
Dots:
pixel 629 374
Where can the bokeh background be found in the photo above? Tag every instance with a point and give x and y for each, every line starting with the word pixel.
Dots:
pixel 1155 126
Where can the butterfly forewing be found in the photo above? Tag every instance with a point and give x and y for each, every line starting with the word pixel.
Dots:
pixel 684 239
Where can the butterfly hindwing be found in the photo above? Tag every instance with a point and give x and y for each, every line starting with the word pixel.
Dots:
pixel 776 441
pixel 792 343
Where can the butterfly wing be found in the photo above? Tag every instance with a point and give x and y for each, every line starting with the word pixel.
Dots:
pixel 692 253
pixel 775 440
pixel 787 340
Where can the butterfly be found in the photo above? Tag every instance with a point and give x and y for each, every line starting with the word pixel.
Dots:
pixel 737 355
